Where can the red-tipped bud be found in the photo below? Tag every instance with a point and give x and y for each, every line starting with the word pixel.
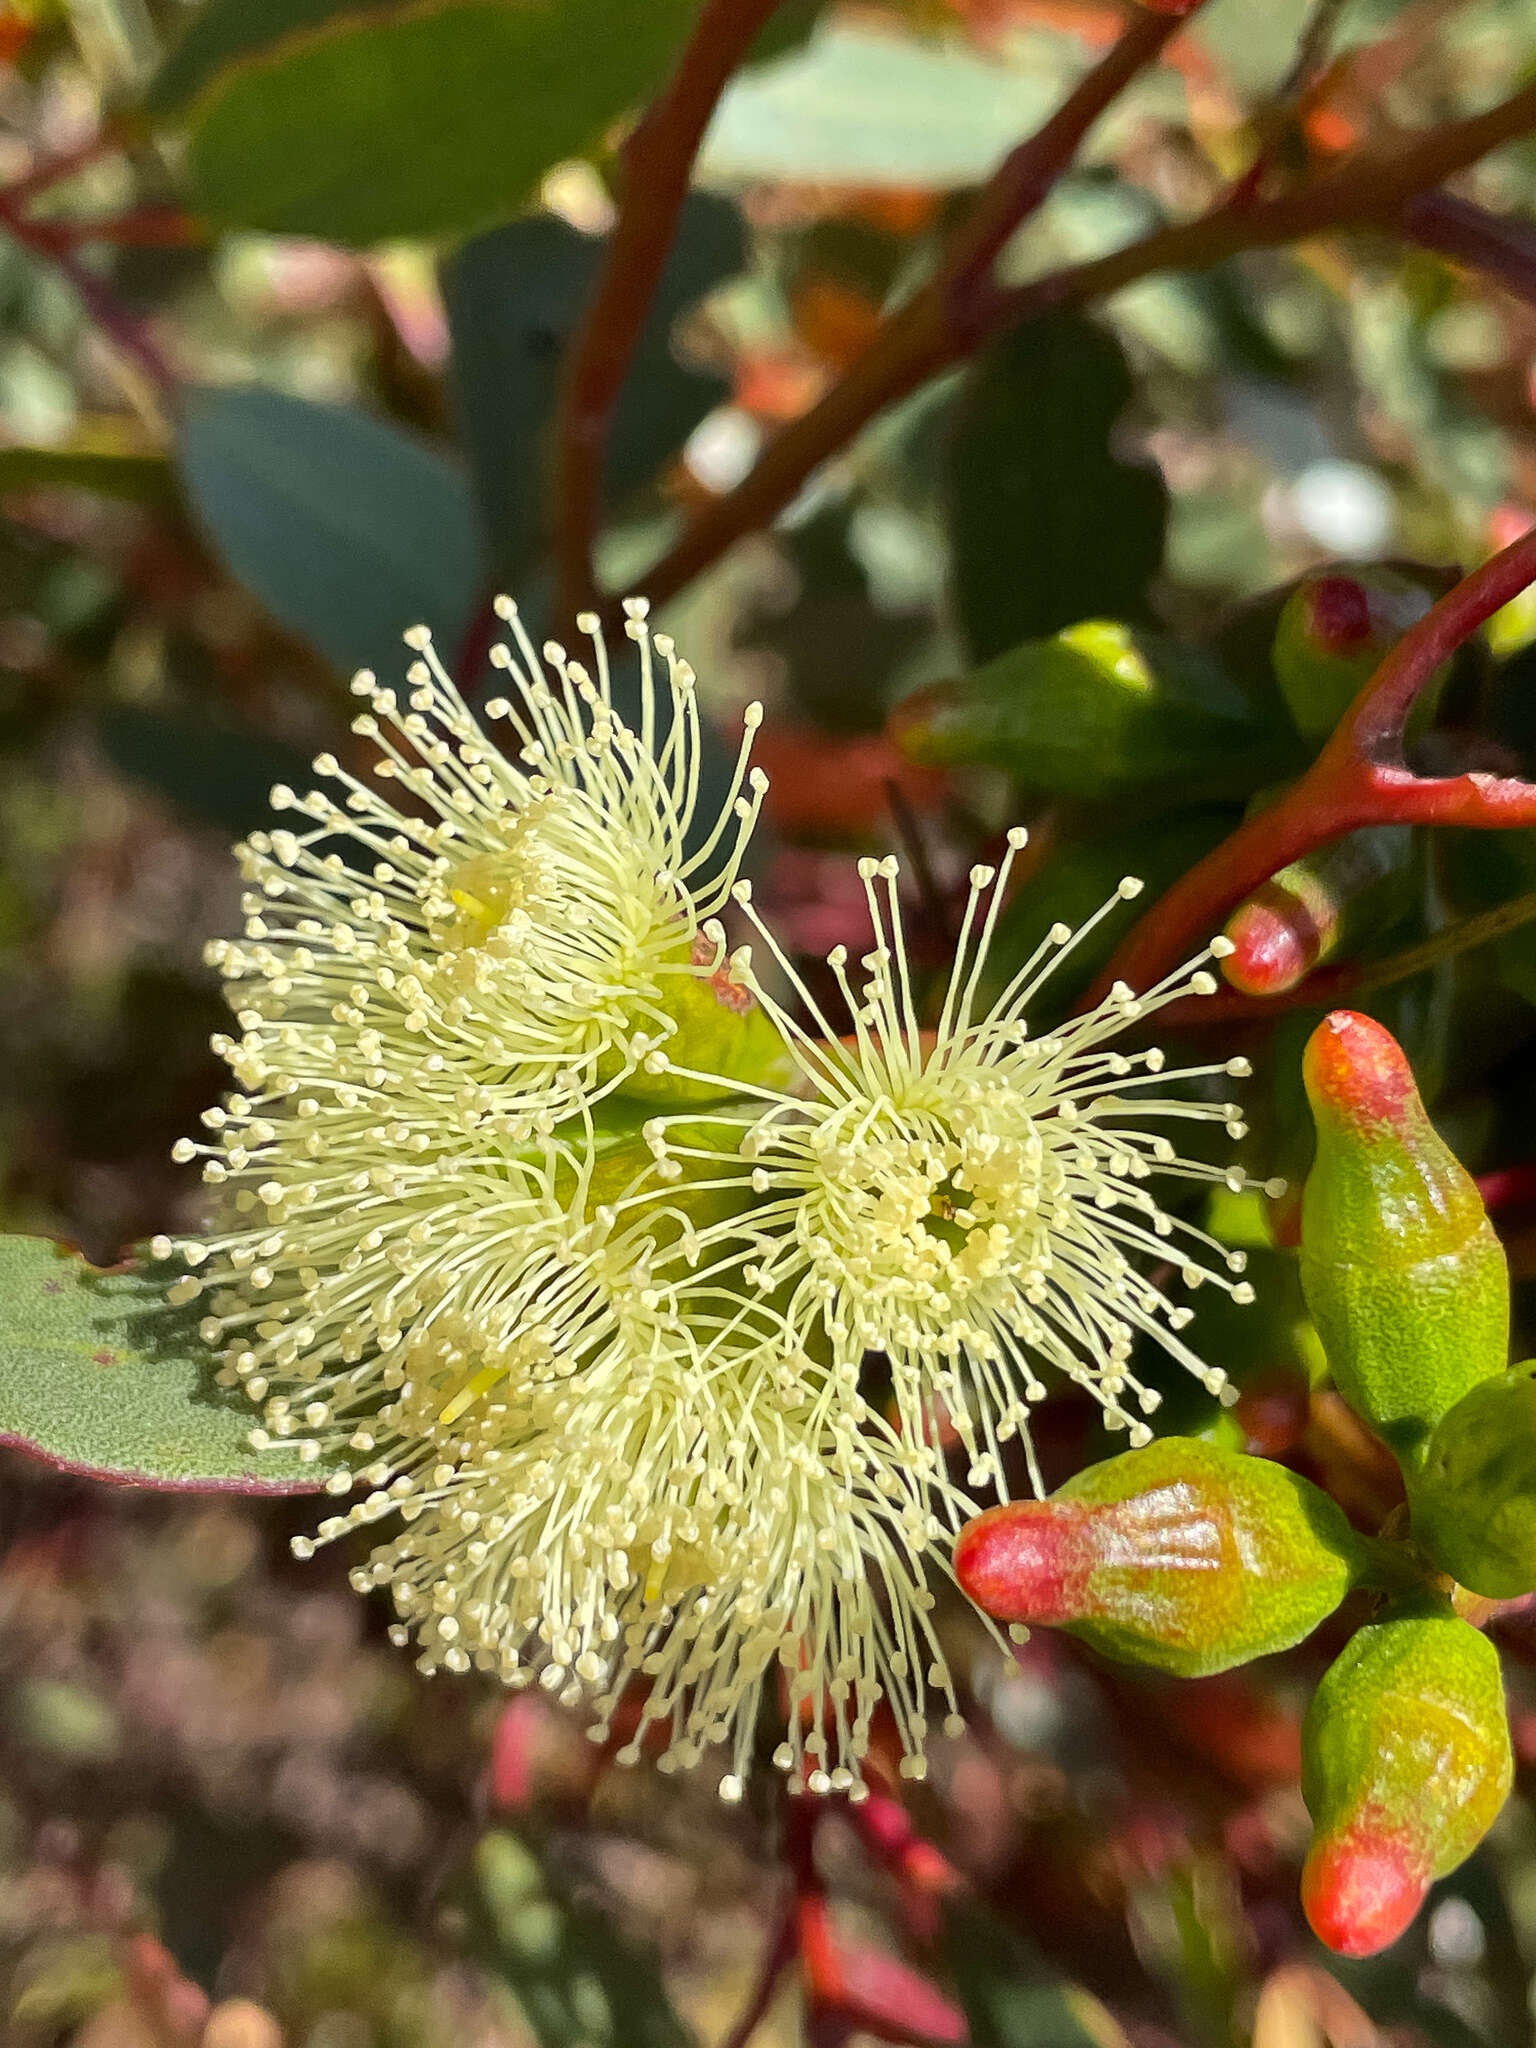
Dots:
pixel 1335 614
pixel 1276 942
pixel 1406 1763
pixel 1182 1555
pixel 1334 631
pixel 1307 912
pixel 1403 1274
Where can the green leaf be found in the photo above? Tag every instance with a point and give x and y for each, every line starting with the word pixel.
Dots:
pixel 425 118
pixel 1081 876
pixel 861 106
pixel 514 297
pixel 100 1376
pixel 348 529
pixel 216 774
pixel 222 34
pixel 1048 524
pixel 579 1982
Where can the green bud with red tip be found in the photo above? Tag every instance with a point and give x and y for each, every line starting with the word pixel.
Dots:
pixel 1334 632
pixel 1313 908
pixel 1182 1556
pixel 1404 1277
pixel 1405 1765
pixel 1474 1501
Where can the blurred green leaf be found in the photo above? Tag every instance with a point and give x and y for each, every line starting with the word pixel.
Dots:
pixel 99 1375
pixel 861 106
pixel 216 774
pixel 514 298
pixel 387 121
pixel 348 529
pixel 1096 711
pixel 1048 524
pixel 579 1981
pixel 221 34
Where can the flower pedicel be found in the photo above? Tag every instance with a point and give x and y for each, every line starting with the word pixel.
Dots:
pixel 553 1236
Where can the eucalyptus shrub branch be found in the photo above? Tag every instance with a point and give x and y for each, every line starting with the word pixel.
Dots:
pixel 41 239
pixel 657 163
pixel 944 324
pixel 1360 778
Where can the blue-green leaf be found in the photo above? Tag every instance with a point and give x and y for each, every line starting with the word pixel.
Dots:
pixel 348 529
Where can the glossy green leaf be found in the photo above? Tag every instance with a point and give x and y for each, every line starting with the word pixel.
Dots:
pixel 99 1375
pixel 1048 523
pixel 412 119
pixel 348 529
pixel 514 297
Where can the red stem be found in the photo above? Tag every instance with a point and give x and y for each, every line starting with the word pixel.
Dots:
pixel 658 161
pixel 105 309
pixel 1360 778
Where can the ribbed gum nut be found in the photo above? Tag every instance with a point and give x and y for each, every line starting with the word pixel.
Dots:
pixel 1403 1274
pixel 1182 1556
pixel 1474 1501
pixel 1406 1763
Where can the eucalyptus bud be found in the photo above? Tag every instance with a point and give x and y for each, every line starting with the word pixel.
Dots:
pixel 1182 1556
pixel 1474 1501
pixel 1406 1763
pixel 1403 1274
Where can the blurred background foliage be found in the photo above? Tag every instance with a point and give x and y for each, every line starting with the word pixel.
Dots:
pixel 287 290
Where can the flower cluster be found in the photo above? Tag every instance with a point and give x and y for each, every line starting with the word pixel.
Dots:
pixel 562 1237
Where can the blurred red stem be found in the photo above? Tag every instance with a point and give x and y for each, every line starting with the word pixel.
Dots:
pixel 102 304
pixel 1497 246
pixel 657 163
pixel 54 170
pixel 1360 778
pixel 142 227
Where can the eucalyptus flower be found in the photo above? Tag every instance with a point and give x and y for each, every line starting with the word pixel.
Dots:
pixel 975 1203
pixel 602 1270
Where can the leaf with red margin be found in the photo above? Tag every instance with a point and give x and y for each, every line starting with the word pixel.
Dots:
pixel 100 1376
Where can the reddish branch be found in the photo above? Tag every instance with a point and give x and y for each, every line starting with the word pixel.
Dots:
pixel 658 161
pixel 940 326
pixel 1360 778
pixel 42 239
